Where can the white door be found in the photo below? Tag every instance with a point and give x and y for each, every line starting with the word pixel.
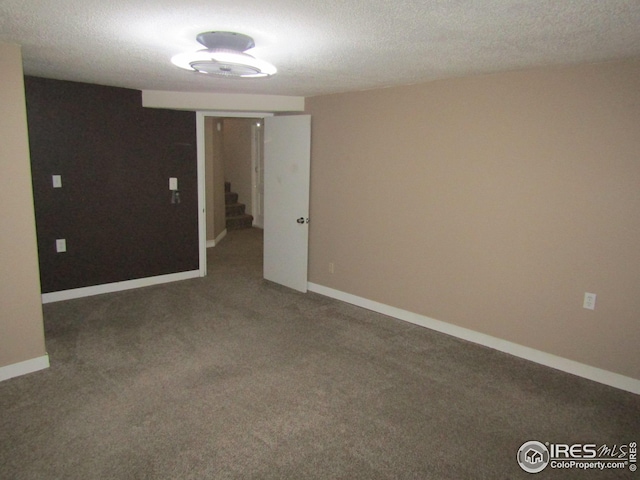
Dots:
pixel 287 152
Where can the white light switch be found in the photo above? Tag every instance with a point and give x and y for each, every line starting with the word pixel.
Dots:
pixel 173 183
pixel 61 245
pixel 57 181
pixel 589 301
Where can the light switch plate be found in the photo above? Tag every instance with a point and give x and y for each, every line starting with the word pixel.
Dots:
pixel 61 245
pixel 589 301
pixel 173 183
pixel 57 181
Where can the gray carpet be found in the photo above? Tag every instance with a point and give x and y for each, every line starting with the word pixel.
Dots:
pixel 231 376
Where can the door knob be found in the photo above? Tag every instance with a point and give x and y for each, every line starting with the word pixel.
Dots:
pixel 300 220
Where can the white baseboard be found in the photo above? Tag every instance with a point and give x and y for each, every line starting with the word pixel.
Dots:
pixel 22 368
pixel 223 234
pixel 117 286
pixel 217 240
pixel 559 363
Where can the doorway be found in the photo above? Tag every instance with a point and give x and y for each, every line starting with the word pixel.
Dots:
pixel 233 174
pixel 280 148
pixel 242 152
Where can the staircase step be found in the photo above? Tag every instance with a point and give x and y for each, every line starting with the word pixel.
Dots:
pixel 239 221
pixel 230 198
pixel 236 219
pixel 234 209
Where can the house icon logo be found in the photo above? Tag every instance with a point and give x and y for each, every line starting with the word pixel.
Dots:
pixel 533 456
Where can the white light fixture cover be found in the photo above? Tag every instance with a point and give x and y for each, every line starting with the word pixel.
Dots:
pixel 224 56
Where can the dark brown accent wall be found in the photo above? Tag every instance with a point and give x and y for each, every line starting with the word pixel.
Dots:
pixel 114 208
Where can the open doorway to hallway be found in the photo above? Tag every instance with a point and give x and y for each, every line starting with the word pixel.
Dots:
pixel 234 175
pixel 286 166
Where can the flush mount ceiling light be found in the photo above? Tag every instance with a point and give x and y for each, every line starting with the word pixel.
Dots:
pixel 224 56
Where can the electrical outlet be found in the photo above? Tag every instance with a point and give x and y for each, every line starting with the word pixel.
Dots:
pixel 331 267
pixel 589 301
pixel 61 245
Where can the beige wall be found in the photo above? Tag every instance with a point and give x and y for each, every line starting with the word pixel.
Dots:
pixel 21 330
pixel 214 178
pixel 237 157
pixel 492 203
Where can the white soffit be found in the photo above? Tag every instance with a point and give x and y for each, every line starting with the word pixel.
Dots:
pixel 318 46
pixel 233 102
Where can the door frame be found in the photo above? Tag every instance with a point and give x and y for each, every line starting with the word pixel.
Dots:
pixel 202 193
pixel 257 173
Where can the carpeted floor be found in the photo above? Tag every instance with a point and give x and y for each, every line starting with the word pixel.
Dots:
pixel 230 376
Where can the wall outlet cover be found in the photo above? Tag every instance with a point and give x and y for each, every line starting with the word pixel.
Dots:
pixel 589 301
pixel 61 245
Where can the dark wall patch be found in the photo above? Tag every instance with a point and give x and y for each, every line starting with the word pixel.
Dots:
pixel 114 209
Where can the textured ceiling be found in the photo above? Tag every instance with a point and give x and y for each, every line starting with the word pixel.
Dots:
pixel 319 46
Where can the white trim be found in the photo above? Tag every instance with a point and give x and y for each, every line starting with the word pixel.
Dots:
pixel 210 113
pixel 257 176
pixel 232 102
pixel 559 363
pixel 117 286
pixel 22 368
pixel 254 173
pixel 217 240
pixel 202 200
